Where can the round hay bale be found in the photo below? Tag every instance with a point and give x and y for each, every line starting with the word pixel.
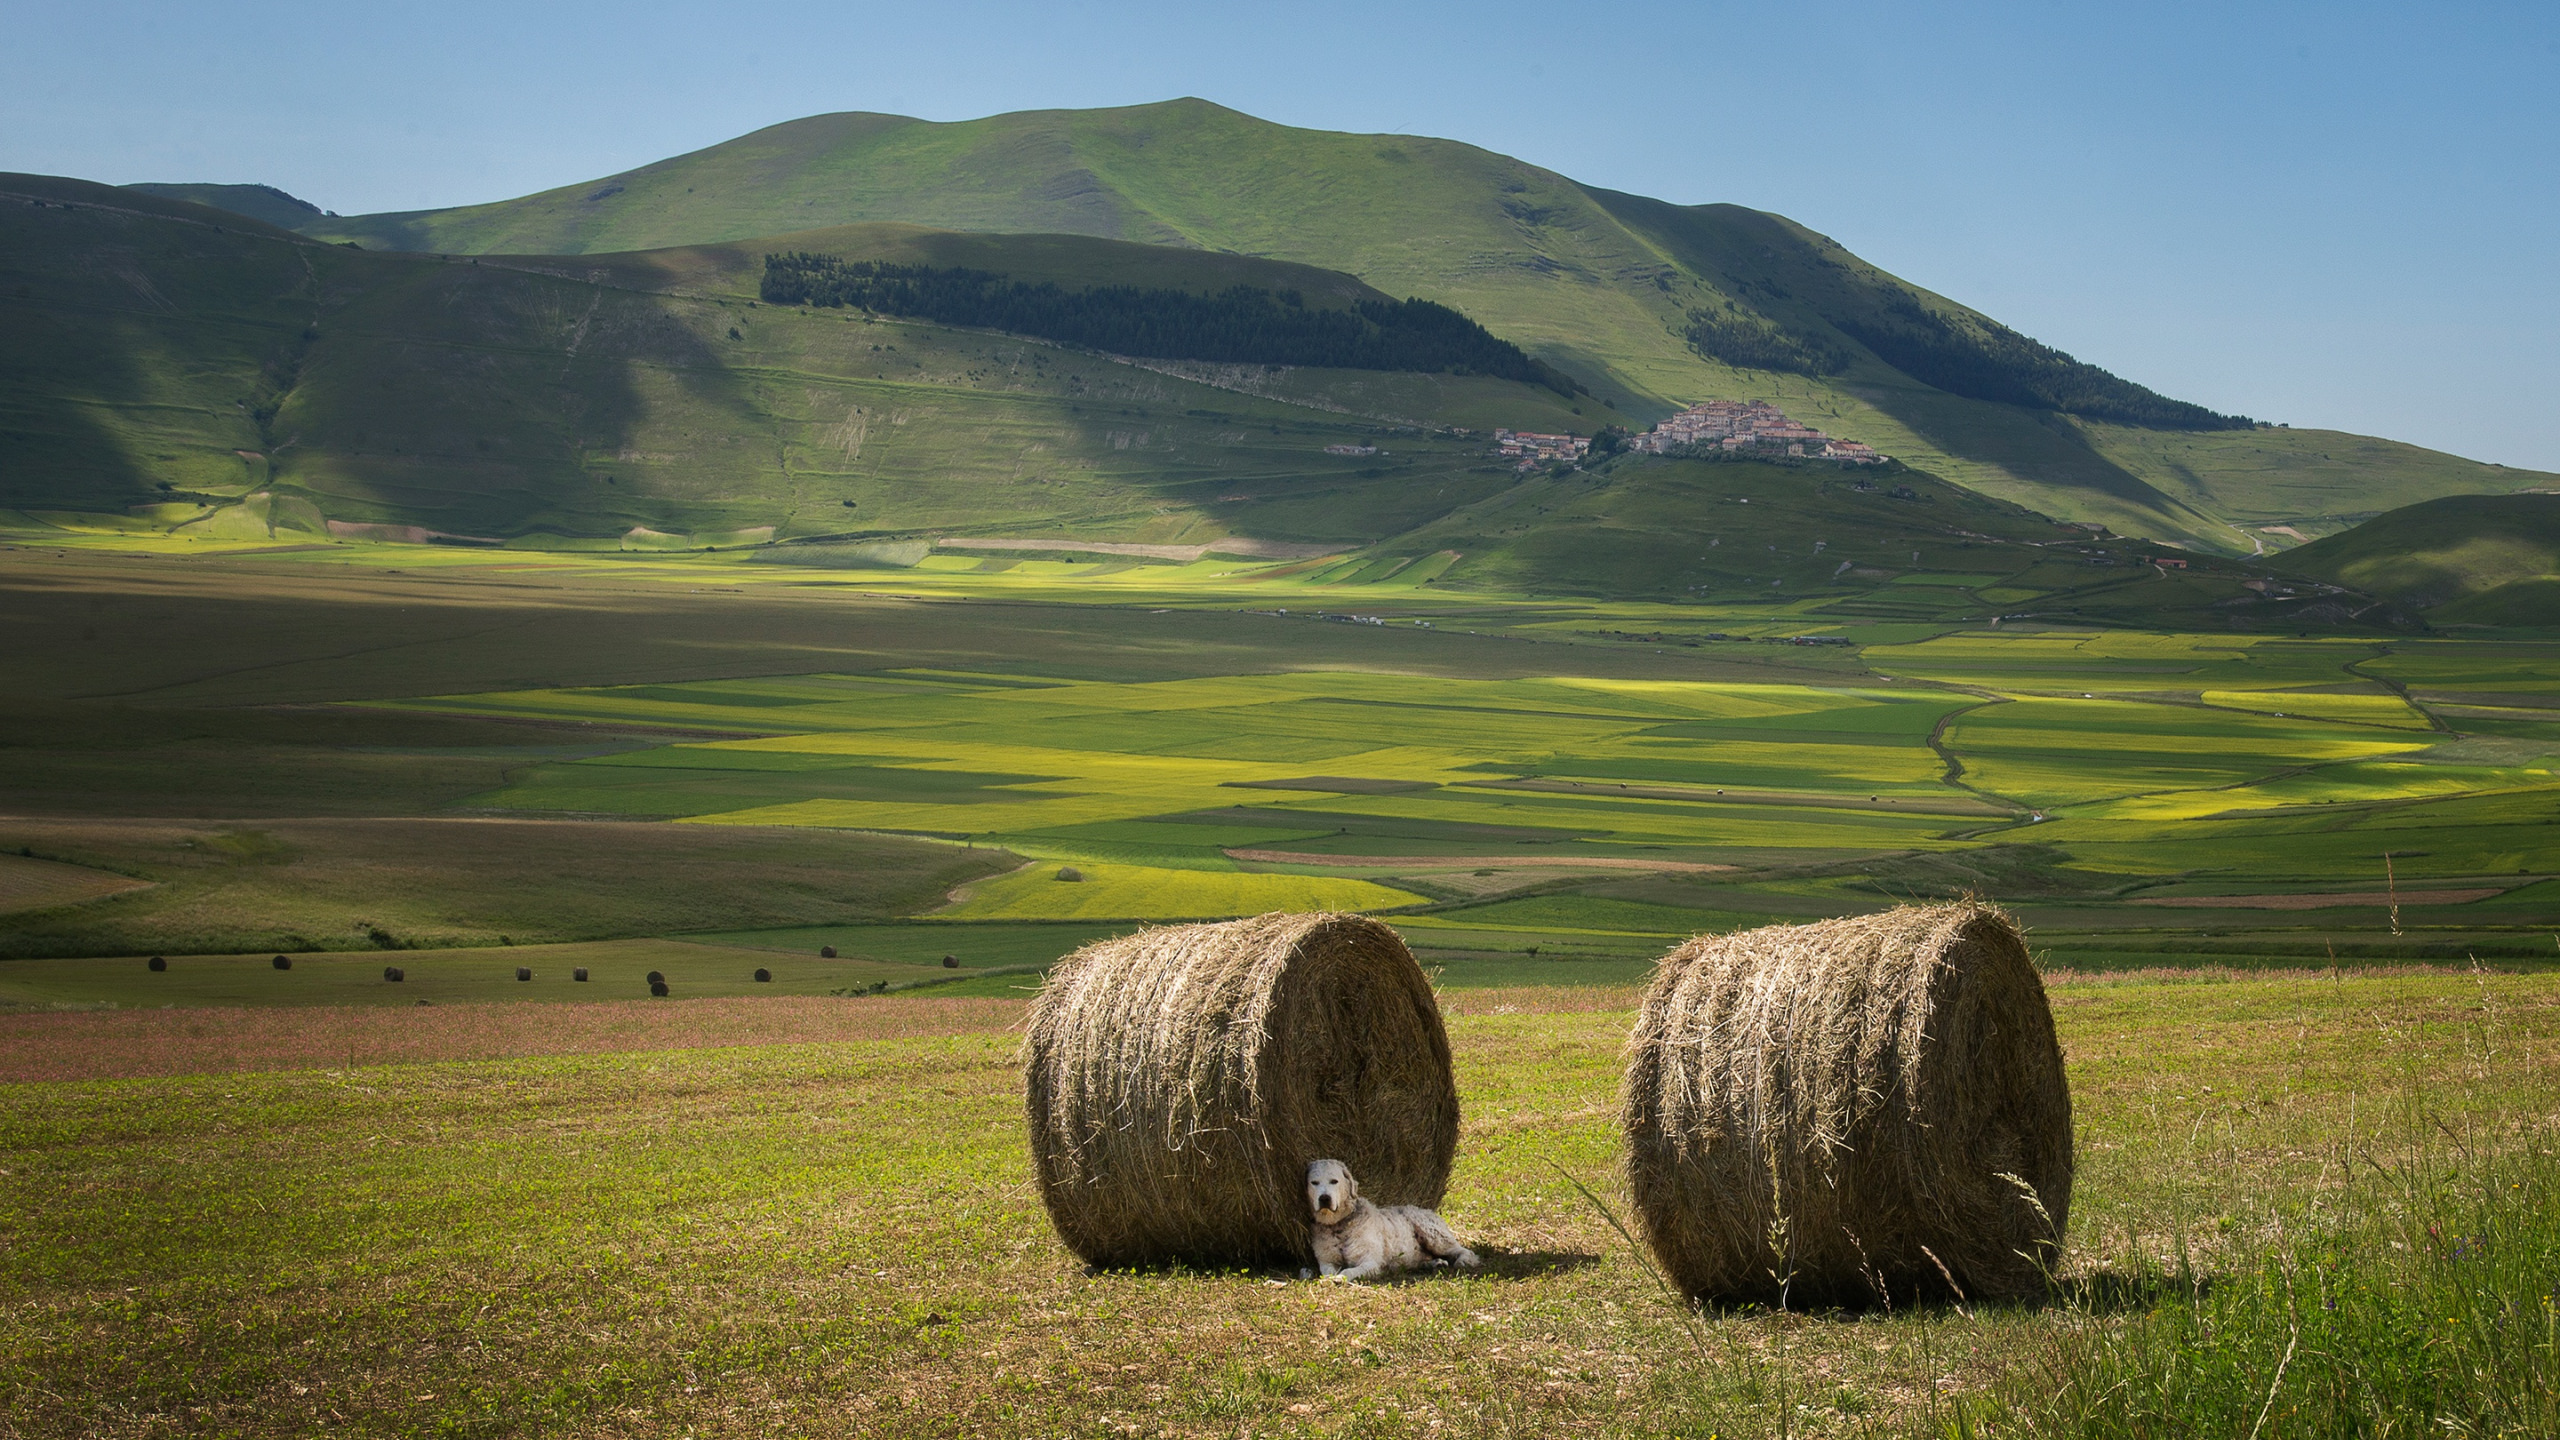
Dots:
pixel 657 979
pixel 763 976
pixel 1821 1112
pixel 394 974
pixel 524 972
pixel 281 963
pixel 658 988
pixel 579 974
pixel 1180 1079
pixel 1072 875
pixel 952 962
pixel 159 962
pixel 826 952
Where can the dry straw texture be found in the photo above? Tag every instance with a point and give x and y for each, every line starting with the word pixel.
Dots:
pixel 1180 1079
pixel 1853 1110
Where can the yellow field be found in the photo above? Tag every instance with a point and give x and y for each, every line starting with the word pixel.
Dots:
pixel 1144 892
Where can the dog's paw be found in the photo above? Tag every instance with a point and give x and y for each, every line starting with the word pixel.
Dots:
pixel 1467 1260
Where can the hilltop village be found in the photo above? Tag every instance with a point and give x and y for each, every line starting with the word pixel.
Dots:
pixel 1752 426
pixel 1746 427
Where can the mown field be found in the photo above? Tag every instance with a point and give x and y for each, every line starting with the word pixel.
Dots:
pixel 2305 1204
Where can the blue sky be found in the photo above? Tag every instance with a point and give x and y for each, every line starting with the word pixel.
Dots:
pixel 2338 215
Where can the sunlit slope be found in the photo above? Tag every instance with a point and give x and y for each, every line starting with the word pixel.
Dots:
pixel 2483 559
pixel 1599 282
pixel 193 370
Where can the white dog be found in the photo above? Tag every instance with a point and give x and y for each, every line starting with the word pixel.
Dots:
pixel 1355 1239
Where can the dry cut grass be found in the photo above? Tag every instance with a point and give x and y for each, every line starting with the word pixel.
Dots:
pixel 140 1044
pixel 842 1239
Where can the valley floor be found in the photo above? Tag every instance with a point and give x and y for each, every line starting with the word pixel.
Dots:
pixel 353 749
pixel 2293 896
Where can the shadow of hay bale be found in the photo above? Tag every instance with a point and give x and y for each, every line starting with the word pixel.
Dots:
pixel 1180 1079
pixel 1837 1113
pixel 1531 1264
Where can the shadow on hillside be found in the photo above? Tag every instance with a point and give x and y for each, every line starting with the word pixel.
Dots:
pixel 2027 443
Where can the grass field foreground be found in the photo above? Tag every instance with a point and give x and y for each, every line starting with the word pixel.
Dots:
pixel 841 1238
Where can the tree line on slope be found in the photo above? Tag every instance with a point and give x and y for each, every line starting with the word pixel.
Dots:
pixel 1986 360
pixel 1968 355
pixel 1243 324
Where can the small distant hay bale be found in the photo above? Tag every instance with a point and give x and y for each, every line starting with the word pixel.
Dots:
pixel 394 974
pixel 826 952
pixel 656 978
pixel 763 976
pixel 1071 874
pixel 658 988
pixel 1822 1112
pixel 1180 1079
pixel 281 963
pixel 159 962
pixel 952 962
pixel 524 972
pixel 579 974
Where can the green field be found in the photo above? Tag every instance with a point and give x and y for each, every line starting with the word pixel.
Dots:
pixel 598 1219
pixel 2295 896
pixel 591 748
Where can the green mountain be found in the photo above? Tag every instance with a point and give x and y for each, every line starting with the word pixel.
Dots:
pixel 2465 559
pixel 1653 305
pixel 258 202
pixel 180 366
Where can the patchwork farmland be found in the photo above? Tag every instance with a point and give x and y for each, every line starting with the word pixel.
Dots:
pixel 2293 896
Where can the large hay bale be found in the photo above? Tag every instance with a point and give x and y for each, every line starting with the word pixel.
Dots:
pixel 1822 1111
pixel 1180 1080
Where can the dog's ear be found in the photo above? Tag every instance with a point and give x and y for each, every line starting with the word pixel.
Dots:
pixel 1350 1184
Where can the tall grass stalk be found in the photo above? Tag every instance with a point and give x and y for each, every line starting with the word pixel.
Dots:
pixel 2422 1300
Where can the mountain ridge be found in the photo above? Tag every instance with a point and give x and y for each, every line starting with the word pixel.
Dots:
pixel 1605 285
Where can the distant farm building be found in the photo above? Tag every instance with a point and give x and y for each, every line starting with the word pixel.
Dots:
pixel 1530 447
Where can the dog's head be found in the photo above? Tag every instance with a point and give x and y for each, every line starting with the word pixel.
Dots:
pixel 1330 1190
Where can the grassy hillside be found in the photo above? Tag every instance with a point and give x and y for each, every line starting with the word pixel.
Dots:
pixel 1614 288
pixel 258 202
pixel 2479 559
pixel 198 371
